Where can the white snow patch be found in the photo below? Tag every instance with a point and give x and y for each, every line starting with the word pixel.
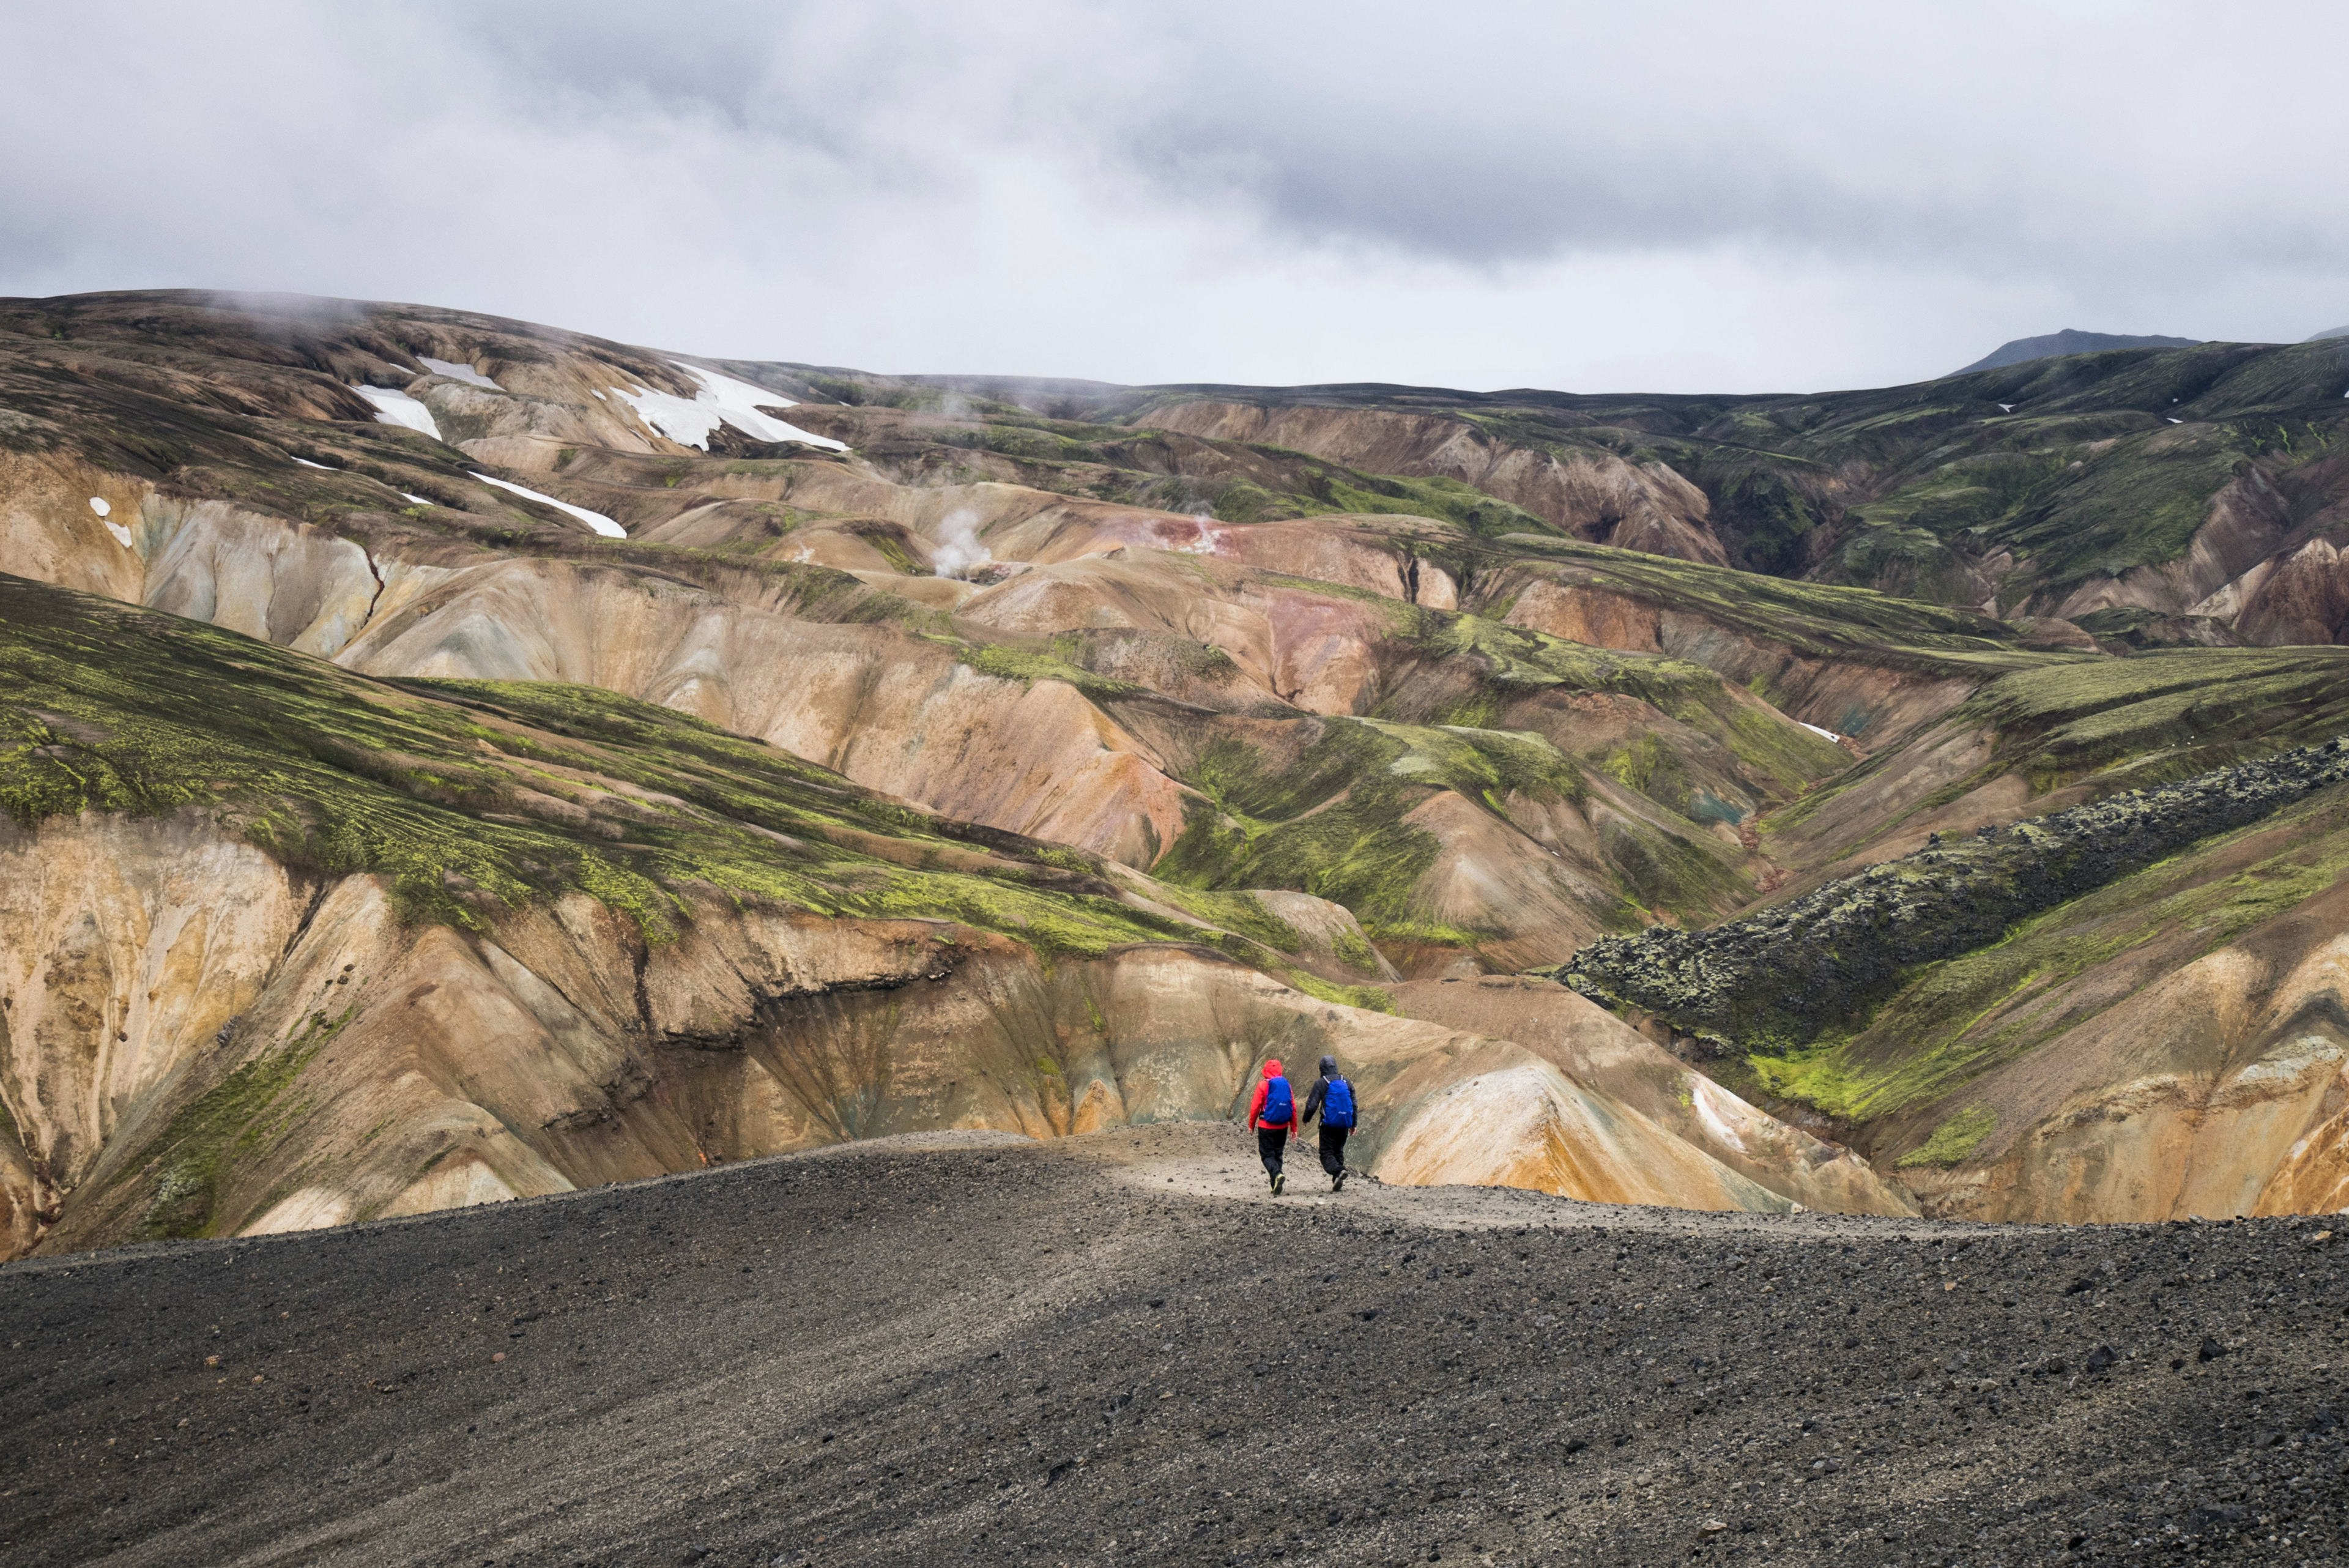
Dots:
pixel 960 550
pixel 721 400
pixel 602 399
pixel 419 500
pixel 1813 729
pixel 2007 407
pixel 456 372
pixel 393 407
pixel 122 536
pixel 595 520
pixel 307 464
pixel 2175 420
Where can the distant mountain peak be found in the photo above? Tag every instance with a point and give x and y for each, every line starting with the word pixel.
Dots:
pixel 2329 332
pixel 2071 340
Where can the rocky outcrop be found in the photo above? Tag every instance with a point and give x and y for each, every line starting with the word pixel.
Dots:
pixel 1774 980
pixel 134 948
pixel 2165 1045
pixel 1592 1048
pixel 66 521
pixel 1513 1119
pixel 194 1041
pixel 2299 597
pixel 213 1049
pixel 291 583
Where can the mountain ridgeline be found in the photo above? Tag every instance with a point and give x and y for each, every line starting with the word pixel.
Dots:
pixel 450 759
pixel 2145 483
pixel 2071 340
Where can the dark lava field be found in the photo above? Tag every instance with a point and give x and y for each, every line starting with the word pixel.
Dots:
pixel 1114 1349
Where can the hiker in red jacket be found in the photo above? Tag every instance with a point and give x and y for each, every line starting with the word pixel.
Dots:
pixel 1273 1114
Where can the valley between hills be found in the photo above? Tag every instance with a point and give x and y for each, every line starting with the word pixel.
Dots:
pixel 450 760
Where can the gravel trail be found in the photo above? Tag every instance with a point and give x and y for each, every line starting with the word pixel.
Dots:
pixel 1118 1349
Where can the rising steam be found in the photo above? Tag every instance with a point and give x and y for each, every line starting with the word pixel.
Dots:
pixel 959 552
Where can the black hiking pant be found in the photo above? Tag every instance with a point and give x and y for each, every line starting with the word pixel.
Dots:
pixel 1333 1149
pixel 1270 1142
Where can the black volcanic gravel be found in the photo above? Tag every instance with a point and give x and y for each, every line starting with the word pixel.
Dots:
pixel 1057 1354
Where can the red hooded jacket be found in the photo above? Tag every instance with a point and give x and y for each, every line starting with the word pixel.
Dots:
pixel 1256 1105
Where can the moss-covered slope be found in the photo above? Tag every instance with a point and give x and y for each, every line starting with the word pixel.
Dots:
pixel 2061 734
pixel 1814 620
pixel 473 796
pixel 1780 980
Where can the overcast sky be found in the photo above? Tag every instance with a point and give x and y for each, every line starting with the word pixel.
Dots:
pixel 1595 197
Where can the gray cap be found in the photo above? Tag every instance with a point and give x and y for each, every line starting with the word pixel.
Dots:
pixel 1329 1066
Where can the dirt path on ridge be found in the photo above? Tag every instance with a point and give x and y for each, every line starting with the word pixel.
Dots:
pixel 1117 1349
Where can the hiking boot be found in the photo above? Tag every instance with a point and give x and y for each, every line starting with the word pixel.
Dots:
pixel 1338 1182
pixel 1279 1180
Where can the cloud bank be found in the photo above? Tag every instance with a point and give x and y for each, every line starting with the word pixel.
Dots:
pixel 1670 197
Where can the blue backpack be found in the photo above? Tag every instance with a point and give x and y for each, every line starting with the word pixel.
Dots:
pixel 1279 1104
pixel 1337 1104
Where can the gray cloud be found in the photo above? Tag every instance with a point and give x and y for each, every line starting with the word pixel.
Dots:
pixel 2012 136
pixel 1672 196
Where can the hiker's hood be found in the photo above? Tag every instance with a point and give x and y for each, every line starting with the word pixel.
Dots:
pixel 1272 1068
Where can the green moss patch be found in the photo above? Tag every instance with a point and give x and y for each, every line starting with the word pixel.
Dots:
pixel 240 1114
pixel 1330 819
pixel 1027 663
pixel 1447 499
pixel 2184 708
pixel 1954 1139
pixel 474 797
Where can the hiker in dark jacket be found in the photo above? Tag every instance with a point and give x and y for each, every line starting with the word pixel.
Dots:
pixel 1273 1113
pixel 1331 1100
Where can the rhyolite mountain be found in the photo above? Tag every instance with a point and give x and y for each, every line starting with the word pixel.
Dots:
pixel 449 758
